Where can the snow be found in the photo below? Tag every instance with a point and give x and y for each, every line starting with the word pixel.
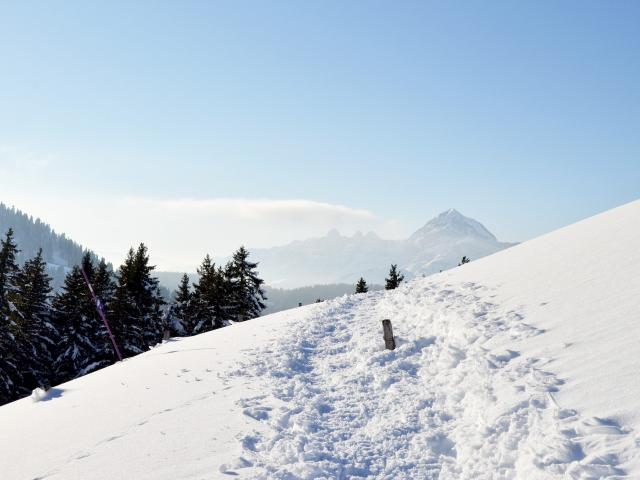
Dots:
pixel 38 394
pixel 520 365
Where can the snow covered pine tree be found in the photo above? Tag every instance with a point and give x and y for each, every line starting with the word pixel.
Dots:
pixel 211 298
pixel 247 296
pixel 36 336
pixel 9 359
pixel 136 315
pixel 182 318
pixel 84 343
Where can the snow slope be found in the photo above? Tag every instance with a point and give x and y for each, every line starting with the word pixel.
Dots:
pixel 520 365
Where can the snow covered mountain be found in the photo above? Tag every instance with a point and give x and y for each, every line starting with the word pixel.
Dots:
pixel 334 258
pixel 31 234
pixel 521 365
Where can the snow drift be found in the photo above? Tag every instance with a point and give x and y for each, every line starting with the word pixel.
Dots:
pixel 520 365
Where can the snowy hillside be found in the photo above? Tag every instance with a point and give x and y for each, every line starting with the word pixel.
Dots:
pixel 521 365
pixel 335 258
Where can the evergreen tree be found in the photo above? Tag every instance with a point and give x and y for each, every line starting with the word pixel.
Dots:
pixel 84 345
pixel 464 260
pixel 245 287
pixel 361 286
pixel 127 331
pixel 8 266
pixel 394 279
pixel 137 303
pixel 102 282
pixel 10 377
pixel 36 336
pixel 149 299
pixel 182 319
pixel 211 298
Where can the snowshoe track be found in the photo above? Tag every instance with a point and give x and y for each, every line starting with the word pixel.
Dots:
pixel 337 405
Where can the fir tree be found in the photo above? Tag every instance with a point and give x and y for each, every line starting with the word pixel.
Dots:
pixel 182 318
pixel 394 279
pixel 124 311
pixel 36 336
pixel 10 377
pixel 149 299
pixel 247 295
pixel 102 282
pixel 361 286
pixel 137 304
pixel 84 345
pixel 211 297
pixel 8 266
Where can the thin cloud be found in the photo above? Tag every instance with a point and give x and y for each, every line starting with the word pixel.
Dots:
pixel 252 209
pixel 179 232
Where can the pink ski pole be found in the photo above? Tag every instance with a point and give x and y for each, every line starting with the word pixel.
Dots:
pixel 101 313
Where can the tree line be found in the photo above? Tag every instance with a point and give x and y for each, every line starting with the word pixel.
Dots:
pixel 394 279
pixel 391 282
pixel 32 234
pixel 49 339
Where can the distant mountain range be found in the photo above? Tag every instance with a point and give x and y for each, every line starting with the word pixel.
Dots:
pixel 335 258
pixel 321 267
pixel 30 233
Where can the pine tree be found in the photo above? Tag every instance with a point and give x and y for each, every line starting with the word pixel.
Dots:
pixel 84 345
pixel 137 304
pixel 149 299
pixel 361 286
pixel 182 318
pixel 394 279
pixel 102 282
pixel 245 286
pixel 464 260
pixel 103 288
pixel 36 335
pixel 8 266
pixel 10 377
pixel 210 298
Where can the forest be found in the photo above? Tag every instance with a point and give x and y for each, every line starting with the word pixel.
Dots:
pixel 49 338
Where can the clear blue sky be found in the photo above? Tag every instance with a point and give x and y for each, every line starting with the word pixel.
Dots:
pixel 526 117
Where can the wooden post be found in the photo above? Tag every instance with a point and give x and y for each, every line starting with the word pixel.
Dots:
pixel 167 335
pixel 389 341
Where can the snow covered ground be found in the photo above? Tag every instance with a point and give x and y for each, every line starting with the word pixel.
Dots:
pixel 522 365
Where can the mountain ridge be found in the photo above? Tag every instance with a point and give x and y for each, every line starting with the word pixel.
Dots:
pixel 336 258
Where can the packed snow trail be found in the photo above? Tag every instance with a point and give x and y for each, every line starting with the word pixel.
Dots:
pixel 443 405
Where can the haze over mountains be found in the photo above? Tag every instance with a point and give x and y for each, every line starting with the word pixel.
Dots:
pixel 329 260
pixel 438 245
pixel 31 234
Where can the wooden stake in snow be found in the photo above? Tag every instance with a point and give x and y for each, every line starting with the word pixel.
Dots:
pixel 389 341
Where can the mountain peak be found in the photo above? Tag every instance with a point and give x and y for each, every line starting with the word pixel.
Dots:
pixel 452 223
pixel 452 212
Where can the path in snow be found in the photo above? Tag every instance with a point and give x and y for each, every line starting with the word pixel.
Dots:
pixel 335 404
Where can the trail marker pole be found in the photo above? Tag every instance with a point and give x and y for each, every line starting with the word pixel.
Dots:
pixel 389 341
pixel 96 300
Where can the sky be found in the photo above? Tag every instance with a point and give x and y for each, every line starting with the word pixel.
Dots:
pixel 199 126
